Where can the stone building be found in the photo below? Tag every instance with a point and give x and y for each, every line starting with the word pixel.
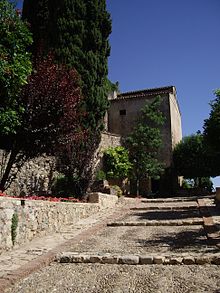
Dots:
pixel 122 116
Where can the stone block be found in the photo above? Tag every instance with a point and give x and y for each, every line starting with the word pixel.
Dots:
pixel 189 260
pixel 171 223
pixel 176 260
pixel 149 223
pixel 85 258
pixel 95 258
pixel 66 258
pixel 104 200
pixel 202 260
pixel 128 259
pixel 116 224
pixel 197 222
pixel 77 258
pixel 158 260
pixel 146 260
pixel 179 223
pixel 111 259
pixel 185 222
pixel 135 224
pixel 215 260
pixel 166 261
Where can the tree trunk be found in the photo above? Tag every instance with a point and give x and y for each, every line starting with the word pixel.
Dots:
pixel 200 181
pixel 8 169
pixel 138 187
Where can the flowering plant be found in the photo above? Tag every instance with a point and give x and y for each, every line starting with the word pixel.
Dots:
pixel 47 198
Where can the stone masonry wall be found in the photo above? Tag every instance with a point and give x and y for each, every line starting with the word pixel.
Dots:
pixel 34 177
pixel 123 124
pixel 37 218
pixel 107 140
pixel 175 116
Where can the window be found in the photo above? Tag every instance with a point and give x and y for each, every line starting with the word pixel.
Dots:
pixel 122 112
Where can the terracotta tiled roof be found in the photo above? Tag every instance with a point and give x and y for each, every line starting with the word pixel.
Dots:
pixel 145 92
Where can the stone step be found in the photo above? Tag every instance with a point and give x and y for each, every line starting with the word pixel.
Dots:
pixel 168 200
pixel 175 199
pixel 158 223
pixel 165 208
pixel 107 258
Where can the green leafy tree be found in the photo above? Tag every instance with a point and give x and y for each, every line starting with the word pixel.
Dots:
pixel 192 159
pixel 15 66
pixel 145 141
pixel 204 182
pixel 116 162
pixel 207 183
pixel 212 126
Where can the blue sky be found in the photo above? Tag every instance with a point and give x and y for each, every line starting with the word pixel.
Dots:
pixel 157 43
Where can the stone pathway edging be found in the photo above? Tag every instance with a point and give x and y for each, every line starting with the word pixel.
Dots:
pixel 14 276
pixel 107 258
pixel 158 223
pixel 172 200
pixel 164 208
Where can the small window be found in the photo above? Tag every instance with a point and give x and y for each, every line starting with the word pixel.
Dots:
pixel 122 112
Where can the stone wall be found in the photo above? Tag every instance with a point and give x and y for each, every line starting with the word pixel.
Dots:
pixel 34 177
pixel 107 140
pixel 123 124
pixel 38 218
pixel 105 200
pixel 175 117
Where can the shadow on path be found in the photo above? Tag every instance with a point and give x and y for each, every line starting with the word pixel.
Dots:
pixel 186 241
pixel 168 215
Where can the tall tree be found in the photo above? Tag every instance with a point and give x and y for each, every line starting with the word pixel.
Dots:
pixel 15 66
pixel 78 31
pixel 145 141
pixel 212 125
pixel 192 159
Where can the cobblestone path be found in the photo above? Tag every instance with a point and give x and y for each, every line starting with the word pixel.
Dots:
pixel 163 245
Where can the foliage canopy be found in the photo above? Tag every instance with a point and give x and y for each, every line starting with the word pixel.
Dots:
pixel 77 31
pixel 145 141
pixel 212 125
pixel 116 162
pixel 15 66
pixel 192 158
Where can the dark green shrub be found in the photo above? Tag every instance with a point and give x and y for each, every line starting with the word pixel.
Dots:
pixel 64 186
pixel 100 175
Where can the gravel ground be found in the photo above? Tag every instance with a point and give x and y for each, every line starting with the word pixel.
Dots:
pixel 97 278
pixel 145 240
